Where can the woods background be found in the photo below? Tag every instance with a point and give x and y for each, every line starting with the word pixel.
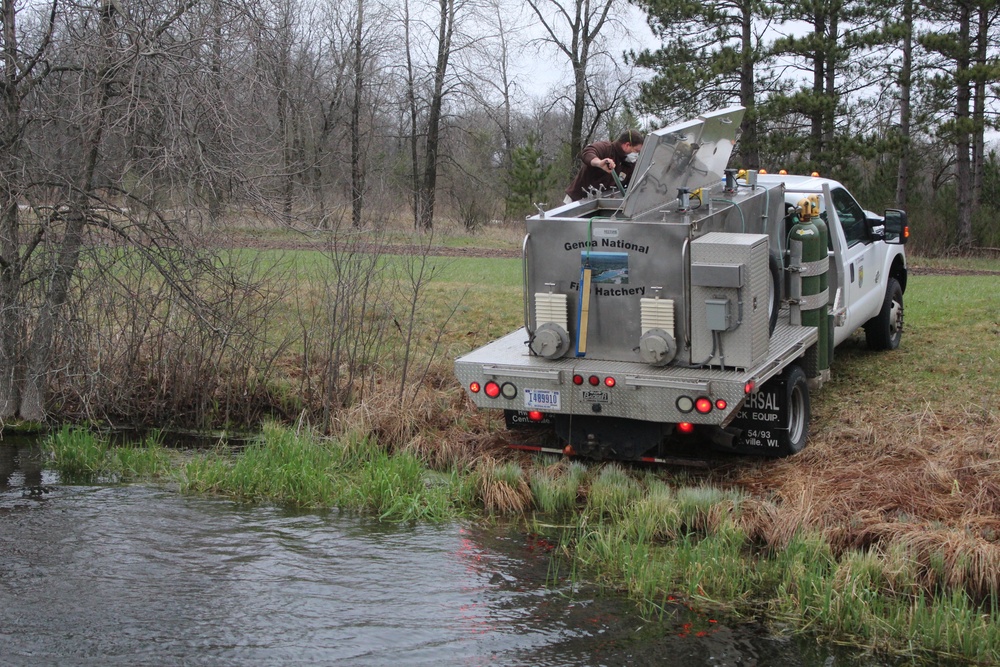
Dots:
pixel 130 129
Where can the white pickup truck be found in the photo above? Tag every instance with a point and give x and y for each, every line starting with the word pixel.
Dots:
pixel 695 307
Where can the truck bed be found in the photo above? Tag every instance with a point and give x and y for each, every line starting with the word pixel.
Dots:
pixel 507 360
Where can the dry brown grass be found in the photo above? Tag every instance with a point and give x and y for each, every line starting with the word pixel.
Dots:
pixel 503 487
pixel 923 482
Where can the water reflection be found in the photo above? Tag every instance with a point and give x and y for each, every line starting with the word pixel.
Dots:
pixel 134 575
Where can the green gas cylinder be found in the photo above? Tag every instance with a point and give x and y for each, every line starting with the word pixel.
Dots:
pixel 805 234
pixel 826 317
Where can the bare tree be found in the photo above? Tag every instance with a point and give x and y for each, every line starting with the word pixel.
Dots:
pixel 575 28
pixel 24 68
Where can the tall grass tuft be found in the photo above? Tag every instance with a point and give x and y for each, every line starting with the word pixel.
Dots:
pixel 703 508
pixel 556 488
pixel 655 517
pixel 147 459
pixel 611 492
pixel 281 467
pixel 76 452
pixel 81 455
pixel 503 488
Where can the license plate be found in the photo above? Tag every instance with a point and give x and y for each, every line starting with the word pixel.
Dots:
pixel 595 396
pixel 541 399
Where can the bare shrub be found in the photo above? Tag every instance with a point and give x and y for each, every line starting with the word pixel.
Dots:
pixel 133 350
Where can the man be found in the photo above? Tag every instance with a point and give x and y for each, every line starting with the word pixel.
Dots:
pixel 600 159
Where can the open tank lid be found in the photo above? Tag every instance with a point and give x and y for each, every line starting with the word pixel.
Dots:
pixel 691 155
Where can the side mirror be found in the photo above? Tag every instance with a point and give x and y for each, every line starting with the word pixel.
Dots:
pixel 897 229
pixel 876 229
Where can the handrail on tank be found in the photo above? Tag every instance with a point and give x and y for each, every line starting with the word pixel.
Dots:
pixel 524 283
pixel 686 321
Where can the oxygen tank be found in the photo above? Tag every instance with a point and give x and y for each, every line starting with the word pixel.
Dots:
pixel 826 317
pixel 813 251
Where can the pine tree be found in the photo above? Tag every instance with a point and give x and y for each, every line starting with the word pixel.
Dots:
pixel 711 57
pixel 529 178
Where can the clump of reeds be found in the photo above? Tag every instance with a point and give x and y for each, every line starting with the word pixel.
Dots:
pixel 81 455
pixel 556 488
pixel 76 452
pixel 281 466
pixel 611 492
pixel 502 486
pixel 655 517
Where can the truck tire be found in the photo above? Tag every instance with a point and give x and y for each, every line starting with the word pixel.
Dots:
pixel 884 331
pixel 793 440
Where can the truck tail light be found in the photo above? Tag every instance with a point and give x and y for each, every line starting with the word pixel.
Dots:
pixel 474 387
pixel 577 379
pixel 702 404
pixel 492 389
pixel 594 380
pixel 609 382
pixel 685 427
pixel 720 404
pixel 536 416
pixel 749 387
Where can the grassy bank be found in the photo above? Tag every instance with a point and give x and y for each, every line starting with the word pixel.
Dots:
pixel 884 532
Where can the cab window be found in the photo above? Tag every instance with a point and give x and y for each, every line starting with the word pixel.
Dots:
pixel 851 215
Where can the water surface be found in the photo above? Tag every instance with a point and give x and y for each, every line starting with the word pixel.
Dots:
pixel 140 575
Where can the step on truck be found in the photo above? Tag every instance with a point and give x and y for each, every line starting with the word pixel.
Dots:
pixel 699 305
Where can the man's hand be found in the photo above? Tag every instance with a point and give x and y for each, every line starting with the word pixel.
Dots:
pixel 607 164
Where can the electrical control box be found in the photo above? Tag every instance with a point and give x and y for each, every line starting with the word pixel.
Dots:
pixel 730 289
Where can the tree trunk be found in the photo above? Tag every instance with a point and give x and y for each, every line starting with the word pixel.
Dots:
pixel 411 100
pixel 39 351
pixel 445 28
pixel 962 134
pixel 357 171
pixel 979 109
pixel 10 244
pixel 905 75
pixel 749 140
pixel 10 284
pixel 818 86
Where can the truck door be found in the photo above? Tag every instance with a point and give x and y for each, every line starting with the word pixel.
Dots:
pixel 862 264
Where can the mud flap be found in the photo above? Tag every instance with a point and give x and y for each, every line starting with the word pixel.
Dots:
pixel 519 420
pixel 761 426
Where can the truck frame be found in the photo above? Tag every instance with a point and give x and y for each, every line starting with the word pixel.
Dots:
pixel 698 302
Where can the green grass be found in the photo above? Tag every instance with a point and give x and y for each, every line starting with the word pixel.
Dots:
pixel 950 351
pixel 305 471
pixel 955 263
pixel 80 455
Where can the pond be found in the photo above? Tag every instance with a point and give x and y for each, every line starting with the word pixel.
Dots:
pixel 141 575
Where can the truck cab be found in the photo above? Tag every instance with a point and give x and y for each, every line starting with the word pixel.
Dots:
pixel 865 250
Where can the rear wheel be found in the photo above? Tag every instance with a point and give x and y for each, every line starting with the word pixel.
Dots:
pixel 793 440
pixel 885 330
